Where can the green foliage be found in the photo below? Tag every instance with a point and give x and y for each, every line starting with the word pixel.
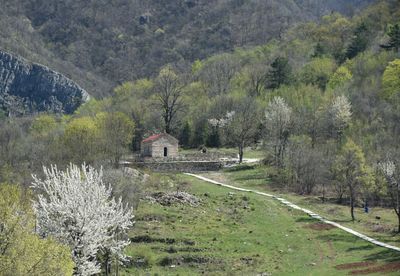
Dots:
pixel 319 50
pixel 332 34
pixel 81 138
pixel 359 42
pixel 200 133
pixel 184 136
pixel 101 46
pixel 306 67
pixel 3 114
pixel 43 124
pixel 391 80
pixel 341 76
pixel 92 107
pixel 394 37
pixel 318 72
pixel 351 168
pixel 116 132
pixel 213 139
pixel 197 66
pixel 281 73
pixel 22 252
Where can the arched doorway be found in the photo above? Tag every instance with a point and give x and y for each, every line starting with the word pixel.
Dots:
pixel 165 152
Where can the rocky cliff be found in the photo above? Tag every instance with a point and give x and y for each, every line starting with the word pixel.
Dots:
pixel 29 88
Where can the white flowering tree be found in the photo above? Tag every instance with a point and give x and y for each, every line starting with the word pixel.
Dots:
pixel 390 171
pixel 341 115
pixel 278 122
pixel 76 208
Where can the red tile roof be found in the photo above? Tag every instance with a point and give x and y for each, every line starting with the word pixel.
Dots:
pixel 152 138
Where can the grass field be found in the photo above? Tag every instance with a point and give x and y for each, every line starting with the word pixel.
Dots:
pixel 242 234
pixel 256 177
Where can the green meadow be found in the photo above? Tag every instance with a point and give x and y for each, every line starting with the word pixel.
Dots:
pixel 235 233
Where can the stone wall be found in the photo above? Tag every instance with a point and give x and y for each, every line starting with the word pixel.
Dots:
pixel 180 166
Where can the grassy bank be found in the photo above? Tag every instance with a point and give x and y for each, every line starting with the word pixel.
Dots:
pixel 240 234
pixel 257 177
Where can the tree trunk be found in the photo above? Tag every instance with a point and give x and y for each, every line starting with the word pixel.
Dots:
pixel 167 128
pixel 240 154
pixel 352 205
pixel 398 219
pixel 398 207
pixel 167 122
pixel 116 162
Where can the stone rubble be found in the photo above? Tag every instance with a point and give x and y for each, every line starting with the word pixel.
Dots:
pixel 168 199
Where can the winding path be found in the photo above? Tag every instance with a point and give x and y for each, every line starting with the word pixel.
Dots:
pixel 293 206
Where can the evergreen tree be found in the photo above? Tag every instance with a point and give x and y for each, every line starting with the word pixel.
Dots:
pixel 200 131
pixel 184 136
pixel 359 42
pixel 280 73
pixel 319 50
pixel 394 38
pixel 213 139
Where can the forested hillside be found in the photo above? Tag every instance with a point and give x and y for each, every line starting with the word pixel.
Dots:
pixel 316 99
pixel 103 43
pixel 337 78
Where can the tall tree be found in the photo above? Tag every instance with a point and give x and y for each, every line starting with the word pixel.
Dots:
pixel 392 175
pixel 278 123
pixel 216 74
pixel 280 73
pixel 242 124
pixel 359 41
pixel 351 168
pixel 81 140
pixel 391 81
pixel 168 92
pixel 77 209
pixel 213 139
pixel 184 136
pixel 305 164
pixel 394 38
pixel 318 71
pixel 23 252
pixel 116 132
pixel 340 112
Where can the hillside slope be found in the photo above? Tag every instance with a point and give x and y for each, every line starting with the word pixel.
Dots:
pixel 244 234
pixel 103 43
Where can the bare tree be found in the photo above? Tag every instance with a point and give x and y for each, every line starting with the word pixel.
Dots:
pixel 217 73
pixel 305 163
pixel 243 124
pixel 258 75
pixel 169 96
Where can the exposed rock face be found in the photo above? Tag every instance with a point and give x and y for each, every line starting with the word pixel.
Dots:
pixel 29 88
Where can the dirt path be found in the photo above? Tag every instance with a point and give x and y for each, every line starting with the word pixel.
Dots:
pixel 293 206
